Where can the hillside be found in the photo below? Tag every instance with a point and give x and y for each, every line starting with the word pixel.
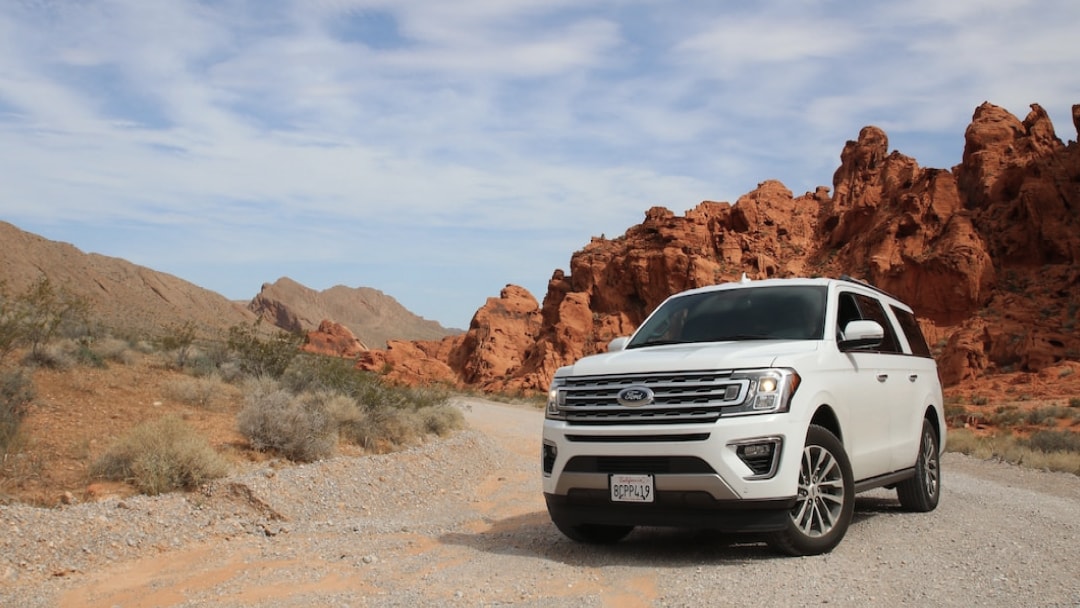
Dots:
pixel 371 315
pixel 128 297
pixel 988 253
pixel 120 294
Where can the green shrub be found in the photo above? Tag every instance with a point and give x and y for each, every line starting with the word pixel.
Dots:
pixel 159 456
pixel 16 394
pixel 261 355
pixel 1074 402
pixel 299 429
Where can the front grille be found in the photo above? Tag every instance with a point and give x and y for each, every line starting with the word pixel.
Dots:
pixel 677 397
pixel 638 464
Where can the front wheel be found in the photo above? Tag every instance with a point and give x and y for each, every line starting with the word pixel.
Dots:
pixel 922 491
pixel 825 501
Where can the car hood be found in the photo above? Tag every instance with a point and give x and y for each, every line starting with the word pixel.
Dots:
pixel 691 357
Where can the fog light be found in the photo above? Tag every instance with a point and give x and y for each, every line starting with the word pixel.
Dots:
pixel 761 455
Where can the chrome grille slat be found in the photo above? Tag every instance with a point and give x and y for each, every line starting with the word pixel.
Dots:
pixel 677 397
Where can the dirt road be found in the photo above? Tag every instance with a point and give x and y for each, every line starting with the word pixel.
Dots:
pixel 461 522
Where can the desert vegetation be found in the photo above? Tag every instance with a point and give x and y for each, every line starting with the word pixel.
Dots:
pixel 282 403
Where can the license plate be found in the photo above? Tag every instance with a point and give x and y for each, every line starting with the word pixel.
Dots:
pixel 632 488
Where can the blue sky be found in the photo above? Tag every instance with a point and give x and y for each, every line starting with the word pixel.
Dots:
pixel 439 150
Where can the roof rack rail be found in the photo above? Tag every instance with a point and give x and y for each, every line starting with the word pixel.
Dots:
pixel 851 279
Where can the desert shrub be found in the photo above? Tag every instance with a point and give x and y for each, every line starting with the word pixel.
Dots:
pixel 1074 402
pixel 262 355
pixel 43 312
pixel 1007 415
pixel 1045 415
pixel 200 392
pixel 980 400
pixel 441 419
pixel 57 355
pixel 298 429
pixel 113 349
pixel 177 341
pixel 161 456
pixel 1054 441
pixel 16 394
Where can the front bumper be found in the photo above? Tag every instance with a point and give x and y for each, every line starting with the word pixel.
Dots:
pixel 700 480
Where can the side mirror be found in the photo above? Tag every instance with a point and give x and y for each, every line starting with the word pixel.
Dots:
pixel 862 334
pixel 617 344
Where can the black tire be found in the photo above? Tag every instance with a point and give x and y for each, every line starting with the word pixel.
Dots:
pixel 922 492
pixel 593 534
pixel 825 501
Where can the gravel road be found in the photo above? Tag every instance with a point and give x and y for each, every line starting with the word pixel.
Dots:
pixel 461 522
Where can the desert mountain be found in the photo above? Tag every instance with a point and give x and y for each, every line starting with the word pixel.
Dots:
pixel 120 294
pixel 371 315
pixel 988 253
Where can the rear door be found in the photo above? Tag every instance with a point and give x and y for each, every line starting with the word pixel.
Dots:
pixel 922 375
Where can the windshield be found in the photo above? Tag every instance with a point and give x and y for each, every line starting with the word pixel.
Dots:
pixel 785 312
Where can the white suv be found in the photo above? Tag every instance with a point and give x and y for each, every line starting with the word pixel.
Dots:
pixel 758 406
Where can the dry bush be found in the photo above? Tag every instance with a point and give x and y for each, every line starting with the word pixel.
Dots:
pixel 298 429
pixel 161 456
pixel 113 349
pixel 199 392
pixel 441 419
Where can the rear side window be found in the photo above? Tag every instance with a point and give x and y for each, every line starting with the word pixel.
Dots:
pixel 911 330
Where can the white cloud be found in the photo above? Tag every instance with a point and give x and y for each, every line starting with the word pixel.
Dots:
pixel 310 137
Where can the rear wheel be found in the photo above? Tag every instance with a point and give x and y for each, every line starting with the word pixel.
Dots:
pixel 593 534
pixel 825 501
pixel 922 492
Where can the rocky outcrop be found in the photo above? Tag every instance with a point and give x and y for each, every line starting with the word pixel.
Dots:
pixel 986 253
pixel 333 339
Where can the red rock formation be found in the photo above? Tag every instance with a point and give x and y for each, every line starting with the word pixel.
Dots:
pixel 986 253
pixel 333 339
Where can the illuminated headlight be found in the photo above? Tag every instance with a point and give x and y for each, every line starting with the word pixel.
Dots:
pixel 769 390
pixel 556 399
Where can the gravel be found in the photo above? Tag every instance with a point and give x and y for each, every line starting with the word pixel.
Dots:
pixel 460 521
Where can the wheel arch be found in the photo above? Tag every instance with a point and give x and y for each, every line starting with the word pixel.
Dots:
pixel 825 417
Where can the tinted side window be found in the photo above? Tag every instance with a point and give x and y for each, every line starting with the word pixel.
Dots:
pixel 872 310
pixel 911 330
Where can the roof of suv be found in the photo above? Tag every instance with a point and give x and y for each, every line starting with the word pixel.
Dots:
pixel 746 282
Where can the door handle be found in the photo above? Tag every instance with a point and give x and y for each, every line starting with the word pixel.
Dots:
pixel 913 377
pixel 882 377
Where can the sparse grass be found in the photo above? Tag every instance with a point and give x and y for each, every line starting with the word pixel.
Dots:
pixel 1047 450
pixel 163 455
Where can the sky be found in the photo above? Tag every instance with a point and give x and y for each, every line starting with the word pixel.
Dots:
pixel 438 151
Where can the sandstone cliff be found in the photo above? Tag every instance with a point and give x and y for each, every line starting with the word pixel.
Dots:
pixel 986 252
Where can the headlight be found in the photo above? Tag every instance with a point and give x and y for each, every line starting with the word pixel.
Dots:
pixel 769 390
pixel 556 400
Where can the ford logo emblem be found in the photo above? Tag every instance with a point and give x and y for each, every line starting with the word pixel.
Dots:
pixel 635 396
